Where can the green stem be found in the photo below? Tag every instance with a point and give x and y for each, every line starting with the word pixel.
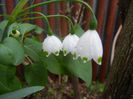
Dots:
pixel 4 15
pixel 49 16
pixel 51 1
pixel 18 9
pixel 71 23
pixel 48 2
pixel 2 4
pixel 46 19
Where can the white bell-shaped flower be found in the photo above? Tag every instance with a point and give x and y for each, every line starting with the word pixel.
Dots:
pixel 90 47
pixel 52 44
pixel 69 44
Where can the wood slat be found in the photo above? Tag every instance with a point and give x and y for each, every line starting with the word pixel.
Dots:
pixel 109 35
pixel 39 22
pixel 63 22
pixel 101 19
pixel 9 6
pixel 75 11
pixel 100 16
pixel 86 15
pixel 51 11
pixel 1 11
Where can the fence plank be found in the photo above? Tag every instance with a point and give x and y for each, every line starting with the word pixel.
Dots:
pixel 75 11
pixel 100 15
pixel 86 15
pixel 1 11
pixel 39 22
pixel 100 18
pixel 51 11
pixel 9 6
pixel 108 39
pixel 63 23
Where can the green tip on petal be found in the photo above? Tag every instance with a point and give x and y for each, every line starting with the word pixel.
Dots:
pixel 100 60
pixel 85 59
pixel 75 56
pixel 46 53
pixel 56 53
pixel 64 52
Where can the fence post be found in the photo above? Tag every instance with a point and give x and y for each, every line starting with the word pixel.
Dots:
pixel 109 35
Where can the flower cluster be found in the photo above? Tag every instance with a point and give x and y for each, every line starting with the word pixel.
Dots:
pixel 87 47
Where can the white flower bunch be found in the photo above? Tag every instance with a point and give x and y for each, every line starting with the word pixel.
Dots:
pixel 87 47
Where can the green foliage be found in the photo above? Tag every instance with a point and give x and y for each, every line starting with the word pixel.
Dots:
pixel 36 74
pixel 66 65
pixel 59 65
pixel 97 87
pixel 11 52
pixel 78 30
pixel 24 28
pixel 8 80
pixel 6 55
pixel 3 25
pixel 32 48
pixel 21 93
pixel 33 44
pixel 19 49
pixel 17 10
pixel 16 48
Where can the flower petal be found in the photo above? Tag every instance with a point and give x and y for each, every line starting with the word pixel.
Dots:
pixel 52 45
pixel 69 43
pixel 96 47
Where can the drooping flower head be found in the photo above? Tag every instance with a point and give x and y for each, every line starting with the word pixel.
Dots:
pixel 69 44
pixel 90 47
pixel 52 44
pixel 15 33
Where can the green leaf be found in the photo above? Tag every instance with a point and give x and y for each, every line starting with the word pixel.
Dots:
pixel 8 80
pixel 78 30
pixel 38 30
pixel 32 48
pixel 66 65
pixel 6 55
pixel 33 44
pixel 27 27
pixel 17 10
pixel 21 93
pixel 16 48
pixel 31 53
pixel 36 74
pixel 80 69
pixel 54 65
pixel 3 25
pixel 24 28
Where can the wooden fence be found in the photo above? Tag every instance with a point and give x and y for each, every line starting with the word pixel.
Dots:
pixel 106 12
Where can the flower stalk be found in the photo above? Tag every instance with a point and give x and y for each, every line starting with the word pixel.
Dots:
pixel 46 19
pixel 71 25
pixel 94 23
